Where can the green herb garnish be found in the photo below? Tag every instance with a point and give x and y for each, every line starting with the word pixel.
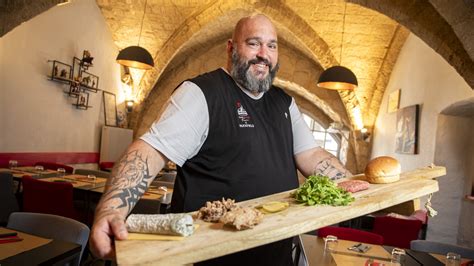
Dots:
pixel 319 189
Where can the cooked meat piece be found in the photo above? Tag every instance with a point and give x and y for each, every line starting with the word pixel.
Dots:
pixel 354 185
pixel 242 218
pixel 213 211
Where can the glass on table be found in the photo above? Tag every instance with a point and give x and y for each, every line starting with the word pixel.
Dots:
pixel 398 256
pixel 92 177
pixel 453 259
pixel 39 169
pixel 61 172
pixel 12 164
pixel 330 243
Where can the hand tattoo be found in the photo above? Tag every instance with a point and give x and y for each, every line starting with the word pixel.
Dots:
pixel 326 167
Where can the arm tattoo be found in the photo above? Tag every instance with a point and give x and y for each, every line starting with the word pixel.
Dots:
pixel 131 180
pixel 326 167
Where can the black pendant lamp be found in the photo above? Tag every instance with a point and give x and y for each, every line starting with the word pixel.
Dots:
pixel 338 77
pixel 136 56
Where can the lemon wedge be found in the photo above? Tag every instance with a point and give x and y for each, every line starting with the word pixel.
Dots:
pixel 275 206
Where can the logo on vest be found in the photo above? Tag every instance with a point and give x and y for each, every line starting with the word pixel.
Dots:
pixel 244 118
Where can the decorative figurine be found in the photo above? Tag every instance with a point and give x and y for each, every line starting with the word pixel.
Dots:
pixel 87 57
pixel 93 84
pixel 56 70
pixel 86 80
pixel 63 73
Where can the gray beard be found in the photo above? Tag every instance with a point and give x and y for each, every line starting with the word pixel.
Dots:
pixel 242 74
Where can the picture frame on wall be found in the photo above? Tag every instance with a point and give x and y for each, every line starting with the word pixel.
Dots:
pixel 110 109
pixel 407 130
pixel 393 101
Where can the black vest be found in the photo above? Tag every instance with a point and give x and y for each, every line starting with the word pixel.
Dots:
pixel 248 152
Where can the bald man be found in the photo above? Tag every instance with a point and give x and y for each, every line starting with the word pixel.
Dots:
pixel 232 135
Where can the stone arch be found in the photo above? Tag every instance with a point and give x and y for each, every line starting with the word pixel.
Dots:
pixel 13 13
pixel 423 19
pixel 277 11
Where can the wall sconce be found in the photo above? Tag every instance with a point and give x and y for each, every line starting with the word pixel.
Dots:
pixel 365 134
pixel 129 105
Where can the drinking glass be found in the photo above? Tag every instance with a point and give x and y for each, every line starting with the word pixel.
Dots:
pixel 12 164
pixel 39 169
pixel 453 259
pixel 61 172
pixel 398 256
pixel 93 177
pixel 330 243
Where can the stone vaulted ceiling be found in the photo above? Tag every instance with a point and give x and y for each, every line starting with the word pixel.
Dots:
pixel 330 32
pixel 363 35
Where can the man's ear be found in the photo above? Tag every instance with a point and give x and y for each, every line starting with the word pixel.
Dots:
pixel 230 46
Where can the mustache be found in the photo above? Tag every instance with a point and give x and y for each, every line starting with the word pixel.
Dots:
pixel 259 61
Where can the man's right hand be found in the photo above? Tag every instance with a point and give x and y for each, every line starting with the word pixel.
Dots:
pixel 106 228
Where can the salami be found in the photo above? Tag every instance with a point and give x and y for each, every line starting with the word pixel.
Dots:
pixel 180 224
pixel 353 185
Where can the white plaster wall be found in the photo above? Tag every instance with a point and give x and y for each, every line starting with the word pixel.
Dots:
pixel 466 224
pixel 424 78
pixel 36 116
pixel 452 150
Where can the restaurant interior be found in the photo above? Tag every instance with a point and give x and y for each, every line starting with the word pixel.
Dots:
pixel 70 103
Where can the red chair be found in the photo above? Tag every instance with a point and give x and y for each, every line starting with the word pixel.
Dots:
pixel 55 166
pixel 351 234
pixel 397 232
pixel 48 197
pixel 106 166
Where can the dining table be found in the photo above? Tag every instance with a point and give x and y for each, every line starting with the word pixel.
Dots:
pixel 81 182
pixel 28 249
pixel 316 254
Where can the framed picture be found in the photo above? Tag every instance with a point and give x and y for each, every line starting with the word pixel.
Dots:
pixel 110 109
pixel 407 130
pixel 393 101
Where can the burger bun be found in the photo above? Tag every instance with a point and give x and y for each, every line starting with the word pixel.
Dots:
pixel 382 170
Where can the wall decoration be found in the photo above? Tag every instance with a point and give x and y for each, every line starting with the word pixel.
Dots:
pixel 89 80
pixel 60 71
pixel 110 109
pixel 407 130
pixel 80 82
pixel 393 101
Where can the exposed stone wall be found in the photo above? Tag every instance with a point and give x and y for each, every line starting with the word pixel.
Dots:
pixel 459 15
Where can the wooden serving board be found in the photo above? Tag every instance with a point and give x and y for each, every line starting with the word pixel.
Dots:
pixel 213 240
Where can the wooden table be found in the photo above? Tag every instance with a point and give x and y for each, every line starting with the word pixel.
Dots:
pixel 81 182
pixel 313 247
pixel 212 240
pixel 55 252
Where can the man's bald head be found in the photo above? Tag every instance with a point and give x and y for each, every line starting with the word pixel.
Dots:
pixel 255 19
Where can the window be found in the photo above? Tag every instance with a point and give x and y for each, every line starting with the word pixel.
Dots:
pixel 324 139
